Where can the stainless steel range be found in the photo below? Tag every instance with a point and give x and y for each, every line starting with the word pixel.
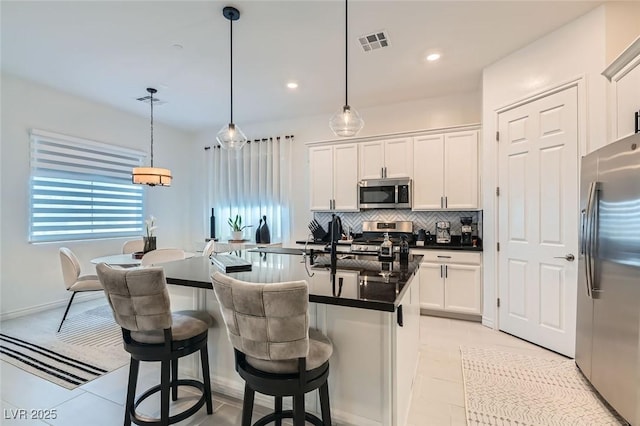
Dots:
pixel 373 235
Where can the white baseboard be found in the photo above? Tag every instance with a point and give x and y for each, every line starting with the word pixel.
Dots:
pixel 82 297
pixel 488 322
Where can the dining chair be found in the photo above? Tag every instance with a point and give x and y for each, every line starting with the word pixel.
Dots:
pixel 209 248
pixel 151 332
pixel 275 351
pixel 73 280
pixel 157 256
pixel 132 246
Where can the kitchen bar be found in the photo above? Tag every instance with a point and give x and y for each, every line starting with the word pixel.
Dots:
pixel 371 315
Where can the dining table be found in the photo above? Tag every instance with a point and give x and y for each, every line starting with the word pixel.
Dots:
pixel 126 260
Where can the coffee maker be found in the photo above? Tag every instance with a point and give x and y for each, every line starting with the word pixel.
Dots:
pixel 443 232
pixel 466 229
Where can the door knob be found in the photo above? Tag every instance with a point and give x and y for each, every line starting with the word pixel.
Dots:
pixel 568 257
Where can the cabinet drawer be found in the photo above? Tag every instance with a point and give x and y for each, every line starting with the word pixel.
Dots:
pixel 450 256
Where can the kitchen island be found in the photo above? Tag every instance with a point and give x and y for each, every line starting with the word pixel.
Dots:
pixel 371 314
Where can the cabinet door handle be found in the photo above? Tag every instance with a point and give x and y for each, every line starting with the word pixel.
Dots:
pixel 441 273
pixel 446 271
pixel 385 172
pixel 442 202
pixel 444 257
pixel 446 202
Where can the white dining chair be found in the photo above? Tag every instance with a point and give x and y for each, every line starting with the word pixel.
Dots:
pixel 209 248
pixel 73 280
pixel 157 256
pixel 132 246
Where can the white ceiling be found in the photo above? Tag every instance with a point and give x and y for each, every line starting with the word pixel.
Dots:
pixel 111 51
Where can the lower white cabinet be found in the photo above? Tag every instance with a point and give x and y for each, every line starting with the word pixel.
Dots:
pixel 451 281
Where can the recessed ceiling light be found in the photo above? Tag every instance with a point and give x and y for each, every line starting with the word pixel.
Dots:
pixel 433 57
pixel 292 85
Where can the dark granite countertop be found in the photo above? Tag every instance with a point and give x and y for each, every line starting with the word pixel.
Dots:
pixel 379 285
pixel 344 246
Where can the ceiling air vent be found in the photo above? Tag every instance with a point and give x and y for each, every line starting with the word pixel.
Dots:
pixel 147 99
pixel 374 41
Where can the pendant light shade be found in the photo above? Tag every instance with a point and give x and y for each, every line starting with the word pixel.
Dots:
pixel 231 136
pixel 346 122
pixel 151 176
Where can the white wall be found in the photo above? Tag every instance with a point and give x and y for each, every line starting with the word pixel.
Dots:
pixel 575 51
pixel 30 275
pixel 446 111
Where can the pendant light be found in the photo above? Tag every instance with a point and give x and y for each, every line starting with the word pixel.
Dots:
pixel 346 122
pixel 151 176
pixel 230 136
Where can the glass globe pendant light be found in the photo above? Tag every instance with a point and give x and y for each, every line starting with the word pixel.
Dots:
pixel 151 176
pixel 346 122
pixel 230 136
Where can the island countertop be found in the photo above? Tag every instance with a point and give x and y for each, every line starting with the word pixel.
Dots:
pixel 367 282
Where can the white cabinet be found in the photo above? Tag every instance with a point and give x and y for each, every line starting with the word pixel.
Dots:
pixel 451 281
pixel 624 74
pixel 391 158
pixel 333 177
pixel 445 171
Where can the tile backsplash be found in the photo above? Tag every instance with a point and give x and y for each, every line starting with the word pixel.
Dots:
pixel 421 219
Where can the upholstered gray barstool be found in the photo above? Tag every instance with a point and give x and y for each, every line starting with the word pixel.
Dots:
pixel 275 352
pixel 141 306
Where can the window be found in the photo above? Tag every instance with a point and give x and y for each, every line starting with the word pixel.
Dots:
pixel 81 189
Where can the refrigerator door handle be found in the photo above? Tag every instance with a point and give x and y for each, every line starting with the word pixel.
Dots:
pixel 587 239
pixel 593 234
pixel 583 231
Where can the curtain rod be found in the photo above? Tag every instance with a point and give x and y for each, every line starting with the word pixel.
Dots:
pixel 206 148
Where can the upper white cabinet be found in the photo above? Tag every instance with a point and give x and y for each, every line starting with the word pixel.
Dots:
pixel 333 176
pixel 390 158
pixel 445 171
pixel 624 74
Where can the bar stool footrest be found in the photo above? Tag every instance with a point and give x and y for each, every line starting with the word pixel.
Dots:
pixel 139 420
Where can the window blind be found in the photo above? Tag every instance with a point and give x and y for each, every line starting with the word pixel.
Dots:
pixel 81 189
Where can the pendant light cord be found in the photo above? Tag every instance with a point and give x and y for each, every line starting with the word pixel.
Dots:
pixel 151 92
pixel 231 64
pixel 346 54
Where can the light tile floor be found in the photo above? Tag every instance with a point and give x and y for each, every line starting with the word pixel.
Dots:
pixel 438 396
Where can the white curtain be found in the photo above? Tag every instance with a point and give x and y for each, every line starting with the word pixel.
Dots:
pixel 253 182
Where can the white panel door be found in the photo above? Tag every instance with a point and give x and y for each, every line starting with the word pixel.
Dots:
pixel 428 172
pixel 371 159
pixel 538 220
pixel 345 177
pixel 398 158
pixel 461 170
pixel 320 177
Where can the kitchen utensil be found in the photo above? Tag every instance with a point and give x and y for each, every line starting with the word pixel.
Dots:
pixel 319 234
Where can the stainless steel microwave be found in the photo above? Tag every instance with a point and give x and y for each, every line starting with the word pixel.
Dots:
pixel 384 193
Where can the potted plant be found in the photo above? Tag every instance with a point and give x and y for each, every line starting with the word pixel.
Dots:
pixel 236 227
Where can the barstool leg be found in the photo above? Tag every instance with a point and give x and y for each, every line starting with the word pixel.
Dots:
pixel 165 384
pixel 278 410
pixel 324 404
pixel 204 360
pixel 134 366
pixel 174 379
pixel 247 405
pixel 298 410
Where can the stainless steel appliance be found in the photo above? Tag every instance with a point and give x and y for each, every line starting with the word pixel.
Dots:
pixel 373 235
pixel 384 193
pixel 608 311
pixel 443 232
pixel 466 230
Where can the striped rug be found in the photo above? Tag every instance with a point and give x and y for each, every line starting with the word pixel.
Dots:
pixel 88 346
pixel 505 388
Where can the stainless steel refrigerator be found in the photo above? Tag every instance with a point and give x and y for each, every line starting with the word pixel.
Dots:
pixel 608 333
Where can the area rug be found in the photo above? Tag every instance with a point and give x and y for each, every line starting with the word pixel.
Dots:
pixel 88 346
pixel 503 388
